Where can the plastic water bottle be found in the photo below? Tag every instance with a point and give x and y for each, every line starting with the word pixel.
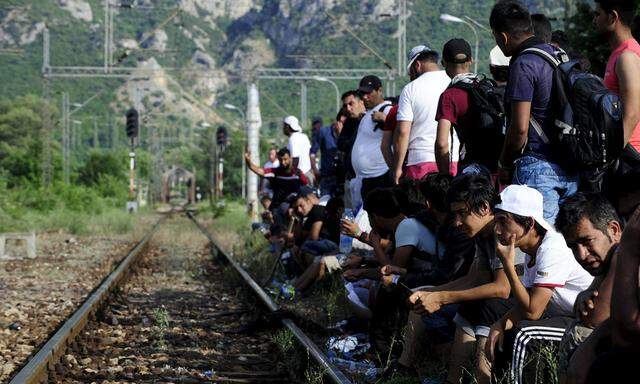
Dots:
pixel 346 242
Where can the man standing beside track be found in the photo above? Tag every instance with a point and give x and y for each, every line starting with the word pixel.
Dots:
pixel 366 155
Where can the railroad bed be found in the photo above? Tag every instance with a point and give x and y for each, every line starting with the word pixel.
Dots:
pixel 174 319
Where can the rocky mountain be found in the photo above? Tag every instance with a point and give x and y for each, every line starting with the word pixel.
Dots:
pixel 204 55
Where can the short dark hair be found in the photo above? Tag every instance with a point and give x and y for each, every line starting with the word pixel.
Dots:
pixel 283 151
pixel 626 9
pixel 434 187
pixel 382 202
pixel 350 93
pixel 591 206
pixel 541 27
pixel 499 72
pixel 511 17
pixel 474 190
pixel 428 56
pixel 409 196
pixel 527 223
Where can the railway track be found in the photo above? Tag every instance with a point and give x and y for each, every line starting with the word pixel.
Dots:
pixel 165 315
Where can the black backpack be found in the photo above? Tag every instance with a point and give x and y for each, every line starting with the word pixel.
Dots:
pixel 487 137
pixel 587 115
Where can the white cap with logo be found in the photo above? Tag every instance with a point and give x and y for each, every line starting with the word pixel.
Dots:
pixel 415 52
pixel 524 201
pixel 292 121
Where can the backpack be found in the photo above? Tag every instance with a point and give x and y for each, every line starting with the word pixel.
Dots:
pixel 488 134
pixel 587 115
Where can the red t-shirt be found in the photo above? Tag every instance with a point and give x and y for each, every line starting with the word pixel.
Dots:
pixel 454 106
pixel 611 79
pixel 391 122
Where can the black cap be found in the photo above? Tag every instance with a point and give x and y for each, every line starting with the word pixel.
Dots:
pixel 455 47
pixel 369 84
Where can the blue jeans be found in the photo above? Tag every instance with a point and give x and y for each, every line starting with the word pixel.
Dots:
pixel 439 325
pixel 476 169
pixel 318 247
pixel 549 179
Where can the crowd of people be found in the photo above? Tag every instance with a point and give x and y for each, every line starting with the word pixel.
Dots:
pixel 494 218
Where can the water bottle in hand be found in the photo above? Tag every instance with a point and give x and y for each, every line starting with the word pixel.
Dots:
pixel 346 242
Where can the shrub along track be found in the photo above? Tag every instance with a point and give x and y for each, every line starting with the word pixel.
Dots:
pixel 175 319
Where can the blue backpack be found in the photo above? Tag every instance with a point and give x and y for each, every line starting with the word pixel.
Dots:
pixel 587 115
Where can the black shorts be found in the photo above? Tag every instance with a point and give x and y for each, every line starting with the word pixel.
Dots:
pixel 476 317
pixel 371 183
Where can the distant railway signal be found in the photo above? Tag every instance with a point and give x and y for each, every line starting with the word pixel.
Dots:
pixel 132 123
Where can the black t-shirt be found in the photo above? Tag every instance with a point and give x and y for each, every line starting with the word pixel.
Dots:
pixel 318 213
pixel 344 144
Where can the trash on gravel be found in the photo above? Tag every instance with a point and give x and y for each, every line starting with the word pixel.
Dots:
pixel 208 374
pixel 348 346
pixel 282 290
pixel 15 326
pixel 365 368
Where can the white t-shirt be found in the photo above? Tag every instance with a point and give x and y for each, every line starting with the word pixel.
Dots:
pixel 419 103
pixel 299 146
pixel 366 156
pixel 555 267
pixel 410 232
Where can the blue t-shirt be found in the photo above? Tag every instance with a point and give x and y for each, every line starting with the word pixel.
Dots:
pixel 327 140
pixel 531 79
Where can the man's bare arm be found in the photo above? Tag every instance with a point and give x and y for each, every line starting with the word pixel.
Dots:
pixel 253 167
pixel 517 132
pixel 400 146
pixel 628 71
pixel 385 147
pixel 625 306
pixel 442 146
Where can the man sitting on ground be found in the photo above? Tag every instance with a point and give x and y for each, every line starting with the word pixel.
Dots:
pixel 471 199
pixel 545 296
pixel 592 230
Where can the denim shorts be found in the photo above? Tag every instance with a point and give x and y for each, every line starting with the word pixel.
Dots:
pixel 554 183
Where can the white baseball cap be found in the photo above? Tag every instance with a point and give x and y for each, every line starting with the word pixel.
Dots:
pixel 524 201
pixel 497 58
pixel 292 121
pixel 415 52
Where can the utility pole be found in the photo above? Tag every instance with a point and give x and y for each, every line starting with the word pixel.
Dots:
pixel 96 144
pixel 303 103
pixel 47 134
pixel 254 121
pixel 65 137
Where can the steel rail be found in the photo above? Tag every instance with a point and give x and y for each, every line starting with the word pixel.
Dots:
pixel 331 370
pixel 38 367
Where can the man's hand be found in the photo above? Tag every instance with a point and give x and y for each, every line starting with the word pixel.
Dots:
pixel 374 238
pixel 426 302
pixel 350 228
pixel 379 117
pixel 585 303
pixel 387 280
pixel 494 341
pixel 247 156
pixel 393 270
pixel 507 253
pixel 395 176
pixel 353 274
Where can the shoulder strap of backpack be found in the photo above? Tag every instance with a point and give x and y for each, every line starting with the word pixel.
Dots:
pixel 544 54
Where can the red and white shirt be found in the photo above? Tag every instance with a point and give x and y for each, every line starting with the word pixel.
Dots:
pixel 555 267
